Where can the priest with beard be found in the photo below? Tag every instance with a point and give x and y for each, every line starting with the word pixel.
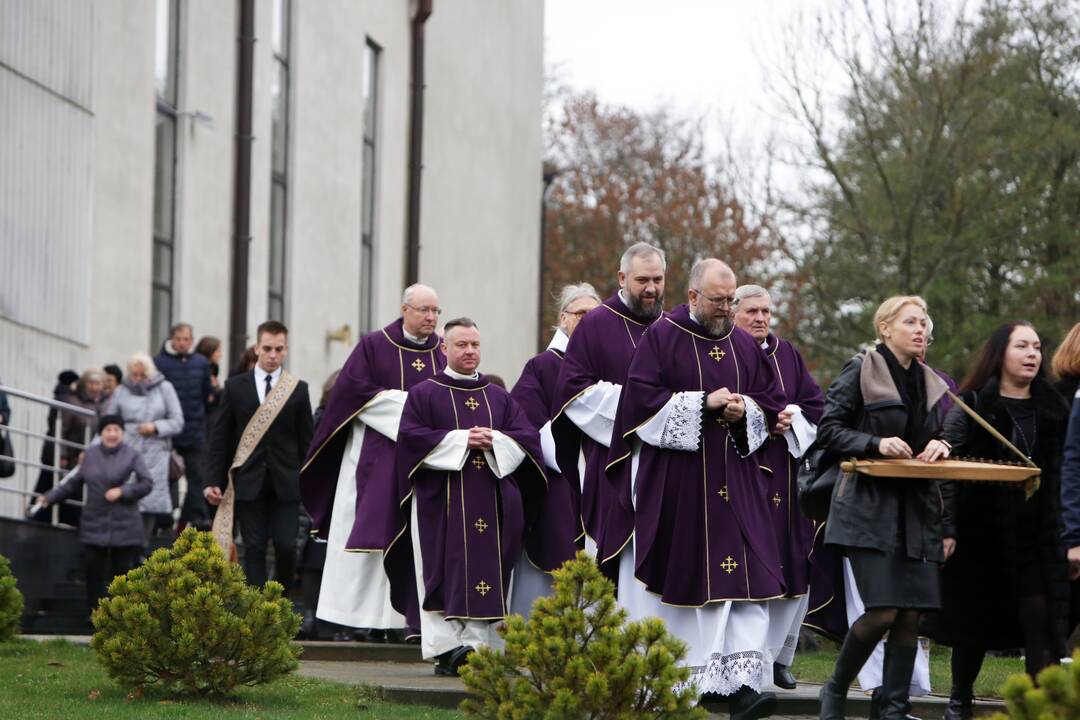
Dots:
pixel 699 400
pixel 788 441
pixel 560 517
pixel 587 394
pixel 470 479
pixel 348 483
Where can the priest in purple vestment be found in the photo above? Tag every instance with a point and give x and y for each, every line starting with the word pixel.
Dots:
pixel 699 400
pixel 470 481
pixel 348 482
pixel 779 458
pixel 587 393
pixel 561 514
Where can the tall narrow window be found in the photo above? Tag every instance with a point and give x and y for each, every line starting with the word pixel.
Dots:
pixel 165 51
pixel 279 164
pixel 370 90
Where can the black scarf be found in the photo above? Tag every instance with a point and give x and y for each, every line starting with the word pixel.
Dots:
pixel 911 386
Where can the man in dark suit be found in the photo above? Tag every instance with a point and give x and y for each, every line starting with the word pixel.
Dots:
pixel 267 483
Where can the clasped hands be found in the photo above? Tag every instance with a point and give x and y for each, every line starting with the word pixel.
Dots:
pixel 732 404
pixel 481 438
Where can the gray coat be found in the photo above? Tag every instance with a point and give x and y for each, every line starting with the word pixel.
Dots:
pixel 151 401
pixel 104 523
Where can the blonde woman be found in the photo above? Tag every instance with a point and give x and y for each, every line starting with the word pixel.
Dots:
pixel 152 415
pixel 886 404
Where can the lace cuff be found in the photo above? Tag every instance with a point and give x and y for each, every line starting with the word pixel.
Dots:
pixel 678 424
pixel 757 432
pixel 725 674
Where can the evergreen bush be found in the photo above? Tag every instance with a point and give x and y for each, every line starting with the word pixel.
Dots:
pixel 188 620
pixel 1056 698
pixel 11 602
pixel 577 657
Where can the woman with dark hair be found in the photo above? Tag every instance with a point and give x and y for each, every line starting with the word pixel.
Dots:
pixel 1007 584
pixel 210 348
pixel 894 533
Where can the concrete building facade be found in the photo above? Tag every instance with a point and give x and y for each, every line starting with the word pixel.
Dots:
pixel 117 128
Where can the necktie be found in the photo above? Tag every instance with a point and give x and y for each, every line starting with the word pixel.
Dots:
pixel 267 393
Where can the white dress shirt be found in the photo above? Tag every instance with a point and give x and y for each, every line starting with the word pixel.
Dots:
pixel 260 381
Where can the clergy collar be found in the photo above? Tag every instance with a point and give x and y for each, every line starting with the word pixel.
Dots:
pixel 559 340
pixel 765 344
pixel 412 338
pixel 460 376
pixel 625 300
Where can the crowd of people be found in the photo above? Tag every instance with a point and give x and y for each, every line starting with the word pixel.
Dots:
pixel 432 501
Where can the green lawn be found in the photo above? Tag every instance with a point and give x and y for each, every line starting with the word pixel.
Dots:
pixel 817 666
pixel 60 680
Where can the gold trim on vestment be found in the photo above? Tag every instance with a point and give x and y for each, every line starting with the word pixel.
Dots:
pixel 455 387
pixel 405 347
pixel 624 317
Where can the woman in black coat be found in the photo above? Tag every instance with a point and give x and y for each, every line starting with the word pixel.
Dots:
pixel 886 404
pixel 1007 584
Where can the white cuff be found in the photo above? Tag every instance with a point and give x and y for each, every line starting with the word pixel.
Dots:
pixel 505 454
pixel 678 424
pixel 594 411
pixel 383 413
pixel 451 453
pixel 547 444
pixel 757 432
pixel 801 433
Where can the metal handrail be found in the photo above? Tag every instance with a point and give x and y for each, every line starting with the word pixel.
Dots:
pixel 68 407
pixel 43 436
pixel 37 465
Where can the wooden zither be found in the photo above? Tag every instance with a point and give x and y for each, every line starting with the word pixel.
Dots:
pixel 961 470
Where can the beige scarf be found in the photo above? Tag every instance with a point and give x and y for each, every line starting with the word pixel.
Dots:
pixel 253 434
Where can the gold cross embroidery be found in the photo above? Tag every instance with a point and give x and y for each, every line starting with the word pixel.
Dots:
pixel 716 353
pixel 724 494
pixel 418 364
pixel 471 403
pixel 478 462
pixel 776 499
pixel 483 588
pixel 481 526
pixel 729 565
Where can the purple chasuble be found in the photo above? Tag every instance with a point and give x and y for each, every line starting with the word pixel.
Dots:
pixel 382 360
pixel 600 349
pixel 552 539
pixel 472 524
pixel 794 532
pixel 703 524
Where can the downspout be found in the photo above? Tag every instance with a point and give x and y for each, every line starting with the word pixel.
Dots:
pixel 416 140
pixel 550 172
pixel 241 239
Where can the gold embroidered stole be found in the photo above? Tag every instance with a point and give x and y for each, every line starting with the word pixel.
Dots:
pixel 253 434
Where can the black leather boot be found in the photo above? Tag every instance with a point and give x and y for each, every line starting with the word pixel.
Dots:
pixel 853 654
pixel 875 707
pixel 782 677
pixel 960 705
pixel 896 680
pixel 749 704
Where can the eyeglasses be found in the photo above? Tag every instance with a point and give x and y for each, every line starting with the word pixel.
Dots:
pixel 578 313
pixel 723 301
pixel 426 310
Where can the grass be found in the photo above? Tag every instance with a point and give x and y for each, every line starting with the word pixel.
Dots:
pixel 817 666
pixel 59 680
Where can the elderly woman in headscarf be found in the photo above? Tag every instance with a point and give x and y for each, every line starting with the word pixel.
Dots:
pixel 152 415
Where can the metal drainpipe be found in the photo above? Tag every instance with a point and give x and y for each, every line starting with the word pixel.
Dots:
pixel 550 172
pixel 241 240
pixel 416 141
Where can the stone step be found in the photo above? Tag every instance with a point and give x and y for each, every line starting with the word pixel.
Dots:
pixel 333 651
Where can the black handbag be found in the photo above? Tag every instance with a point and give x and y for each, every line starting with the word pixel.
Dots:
pixel 7 467
pixel 819 471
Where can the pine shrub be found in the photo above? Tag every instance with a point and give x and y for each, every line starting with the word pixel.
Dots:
pixel 577 657
pixel 1056 698
pixel 11 602
pixel 187 620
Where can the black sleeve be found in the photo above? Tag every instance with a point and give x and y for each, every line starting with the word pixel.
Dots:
pixel 222 441
pixel 957 430
pixel 305 426
pixel 838 430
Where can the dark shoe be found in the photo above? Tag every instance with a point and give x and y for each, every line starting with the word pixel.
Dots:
pixel 960 706
pixel 749 704
pixel 442 666
pixel 896 680
pixel 369 635
pixel 782 677
pixel 343 635
pixel 875 707
pixel 460 658
pixel 395 636
pixel 308 626
pixel 833 694
pixel 713 702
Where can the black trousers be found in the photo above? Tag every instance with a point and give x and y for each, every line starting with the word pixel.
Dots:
pixel 194 511
pixel 267 519
pixel 105 563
